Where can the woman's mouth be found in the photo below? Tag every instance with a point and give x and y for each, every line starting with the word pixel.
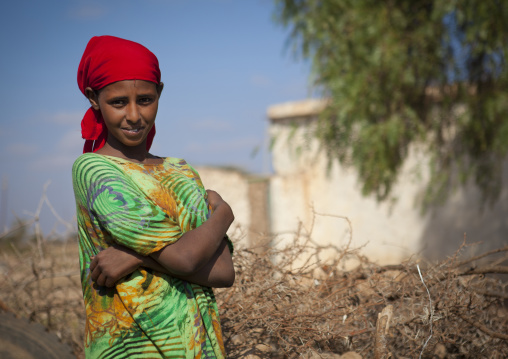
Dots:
pixel 133 130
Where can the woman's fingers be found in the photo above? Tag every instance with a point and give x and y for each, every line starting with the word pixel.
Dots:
pixel 214 199
pixel 95 273
pixel 109 282
pixel 101 280
pixel 93 263
pixel 112 264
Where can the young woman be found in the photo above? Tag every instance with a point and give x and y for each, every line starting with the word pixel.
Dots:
pixel 152 240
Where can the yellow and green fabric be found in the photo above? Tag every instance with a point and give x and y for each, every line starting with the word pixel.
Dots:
pixel 143 207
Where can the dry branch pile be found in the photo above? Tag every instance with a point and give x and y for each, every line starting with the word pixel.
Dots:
pixel 277 310
pixel 45 288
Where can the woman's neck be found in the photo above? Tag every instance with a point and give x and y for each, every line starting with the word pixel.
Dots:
pixel 134 153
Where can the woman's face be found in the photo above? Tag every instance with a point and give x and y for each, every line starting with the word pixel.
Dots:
pixel 129 109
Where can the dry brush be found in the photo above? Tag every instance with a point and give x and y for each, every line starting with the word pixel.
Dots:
pixel 456 308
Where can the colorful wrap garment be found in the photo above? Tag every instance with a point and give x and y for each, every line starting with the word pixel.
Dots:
pixel 143 207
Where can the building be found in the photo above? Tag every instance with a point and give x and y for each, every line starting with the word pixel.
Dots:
pixel 324 202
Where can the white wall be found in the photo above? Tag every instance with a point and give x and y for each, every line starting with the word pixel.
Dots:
pixel 233 187
pixel 391 231
pixel 304 193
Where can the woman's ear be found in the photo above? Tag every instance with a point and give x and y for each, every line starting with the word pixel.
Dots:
pixel 160 86
pixel 92 97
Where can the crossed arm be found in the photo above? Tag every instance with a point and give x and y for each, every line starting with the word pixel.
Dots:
pixel 200 256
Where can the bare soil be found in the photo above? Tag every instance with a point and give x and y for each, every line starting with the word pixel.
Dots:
pixel 452 309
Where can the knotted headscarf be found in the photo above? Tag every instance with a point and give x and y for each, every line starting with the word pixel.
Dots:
pixel 109 59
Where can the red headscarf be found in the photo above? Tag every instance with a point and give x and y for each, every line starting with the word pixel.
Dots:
pixel 109 59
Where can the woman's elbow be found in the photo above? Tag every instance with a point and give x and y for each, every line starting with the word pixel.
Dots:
pixel 182 265
pixel 188 267
pixel 227 279
pixel 230 281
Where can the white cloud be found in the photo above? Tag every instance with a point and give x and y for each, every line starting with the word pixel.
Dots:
pixel 261 81
pixel 6 131
pixel 21 149
pixel 234 144
pixel 65 118
pixel 87 11
pixel 194 147
pixel 67 149
pixel 211 125
pixel 54 162
pixel 71 142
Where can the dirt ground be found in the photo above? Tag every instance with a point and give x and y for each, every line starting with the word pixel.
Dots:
pixel 452 309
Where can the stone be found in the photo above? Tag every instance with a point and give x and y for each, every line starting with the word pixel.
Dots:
pixel 350 355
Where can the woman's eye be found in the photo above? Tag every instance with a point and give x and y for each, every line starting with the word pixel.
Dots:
pixel 145 100
pixel 118 103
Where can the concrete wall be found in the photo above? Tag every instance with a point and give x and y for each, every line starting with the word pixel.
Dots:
pixel 308 197
pixel 305 190
pixel 248 197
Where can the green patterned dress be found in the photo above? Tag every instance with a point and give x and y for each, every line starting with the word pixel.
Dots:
pixel 143 207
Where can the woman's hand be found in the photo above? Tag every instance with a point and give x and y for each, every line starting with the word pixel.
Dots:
pixel 219 272
pixel 200 256
pixel 196 248
pixel 112 264
pixel 214 199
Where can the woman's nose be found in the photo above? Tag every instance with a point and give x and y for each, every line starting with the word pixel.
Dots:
pixel 132 114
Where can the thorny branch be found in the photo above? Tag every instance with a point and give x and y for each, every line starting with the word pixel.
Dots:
pixel 278 309
pixel 290 312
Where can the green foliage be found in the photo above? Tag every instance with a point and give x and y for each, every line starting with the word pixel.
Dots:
pixel 409 72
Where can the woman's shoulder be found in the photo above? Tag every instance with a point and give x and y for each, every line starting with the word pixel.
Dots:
pixel 88 158
pixel 92 162
pixel 95 162
pixel 180 164
pixel 175 161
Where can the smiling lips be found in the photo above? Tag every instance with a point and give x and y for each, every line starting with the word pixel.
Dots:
pixel 133 131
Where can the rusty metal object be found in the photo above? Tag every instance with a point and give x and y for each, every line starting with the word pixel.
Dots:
pixel 20 339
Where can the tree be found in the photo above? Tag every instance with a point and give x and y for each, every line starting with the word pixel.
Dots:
pixel 409 72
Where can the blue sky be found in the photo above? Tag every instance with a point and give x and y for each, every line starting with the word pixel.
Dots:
pixel 223 63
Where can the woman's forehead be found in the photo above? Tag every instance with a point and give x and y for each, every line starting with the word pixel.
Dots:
pixel 137 86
